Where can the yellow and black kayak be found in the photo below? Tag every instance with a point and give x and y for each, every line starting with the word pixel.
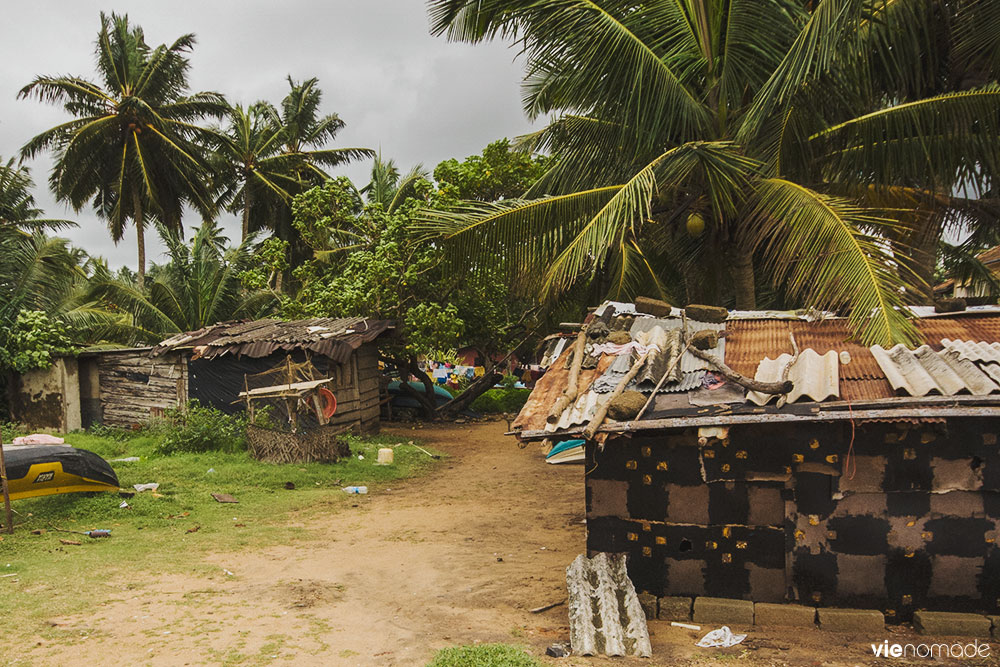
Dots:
pixel 44 470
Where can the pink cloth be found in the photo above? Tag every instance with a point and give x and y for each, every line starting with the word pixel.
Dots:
pixel 38 439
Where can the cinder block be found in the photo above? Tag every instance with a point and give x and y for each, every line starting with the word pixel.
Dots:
pixel 995 620
pixel 674 608
pixel 766 613
pixel 951 623
pixel 648 603
pixel 723 611
pixel 851 620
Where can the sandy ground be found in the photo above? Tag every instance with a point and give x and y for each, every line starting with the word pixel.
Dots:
pixel 456 557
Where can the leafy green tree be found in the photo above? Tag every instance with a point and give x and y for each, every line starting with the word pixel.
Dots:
pixel 134 149
pixel 199 286
pixel 499 173
pixel 33 341
pixel 705 147
pixel 382 271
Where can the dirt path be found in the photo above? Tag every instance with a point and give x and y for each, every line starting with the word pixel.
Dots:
pixel 456 557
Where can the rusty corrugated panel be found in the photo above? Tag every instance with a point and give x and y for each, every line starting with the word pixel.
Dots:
pixel 968 327
pixel 749 341
pixel 814 376
pixel 865 390
pixel 605 616
pixel 547 390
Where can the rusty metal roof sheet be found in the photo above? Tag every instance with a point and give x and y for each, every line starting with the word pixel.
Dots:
pixel 548 388
pixel 331 337
pixel 813 376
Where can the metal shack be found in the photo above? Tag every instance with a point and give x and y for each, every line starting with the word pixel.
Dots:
pixel 129 386
pixel 874 481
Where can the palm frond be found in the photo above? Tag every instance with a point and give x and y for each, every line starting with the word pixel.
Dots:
pixel 944 140
pixel 817 250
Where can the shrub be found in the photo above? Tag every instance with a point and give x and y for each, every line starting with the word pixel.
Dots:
pixel 201 429
pixel 501 400
pixel 483 655
pixel 34 341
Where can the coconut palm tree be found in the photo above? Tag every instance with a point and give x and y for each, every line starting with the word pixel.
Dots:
pixel 134 149
pixel 18 211
pixel 200 285
pixel 390 188
pixel 266 156
pixel 253 175
pixel 705 147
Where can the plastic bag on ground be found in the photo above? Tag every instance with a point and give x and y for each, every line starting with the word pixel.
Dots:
pixel 721 638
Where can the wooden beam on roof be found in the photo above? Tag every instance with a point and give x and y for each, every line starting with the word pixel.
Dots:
pixel 970 411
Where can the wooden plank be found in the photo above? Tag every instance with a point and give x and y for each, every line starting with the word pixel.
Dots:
pixel 729 420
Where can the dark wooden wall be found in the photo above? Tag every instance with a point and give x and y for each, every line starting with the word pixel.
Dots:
pixel 133 388
pixel 356 386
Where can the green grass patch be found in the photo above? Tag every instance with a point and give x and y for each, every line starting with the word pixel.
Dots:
pixel 169 533
pixel 483 655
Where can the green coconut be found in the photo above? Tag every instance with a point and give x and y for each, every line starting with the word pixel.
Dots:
pixel 695 225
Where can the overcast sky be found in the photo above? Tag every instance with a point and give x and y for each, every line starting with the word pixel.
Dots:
pixel 416 97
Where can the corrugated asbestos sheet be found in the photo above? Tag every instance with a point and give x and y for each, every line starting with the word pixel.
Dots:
pixel 923 371
pixel 605 616
pixel 330 337
pixel 580 412
pixel 813 375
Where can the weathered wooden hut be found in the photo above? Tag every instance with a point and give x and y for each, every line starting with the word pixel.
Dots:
pixel 130 386
pixel 874 480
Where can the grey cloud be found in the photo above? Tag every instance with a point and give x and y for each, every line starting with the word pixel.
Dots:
pixel 416 97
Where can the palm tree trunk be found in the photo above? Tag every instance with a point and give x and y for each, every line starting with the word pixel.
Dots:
pixel 746 292
pixel 923 249
pixel 246 212
pixel 140 238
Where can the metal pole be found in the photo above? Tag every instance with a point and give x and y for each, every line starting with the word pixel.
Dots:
pixel 6 491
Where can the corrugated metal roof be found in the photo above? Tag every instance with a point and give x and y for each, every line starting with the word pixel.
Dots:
pixel 580 412
pixel 923 371
pixel 964 345
pixel 605 615
pixel 814 376
pixel 689 362
pixel 335 338
pixel 547 390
